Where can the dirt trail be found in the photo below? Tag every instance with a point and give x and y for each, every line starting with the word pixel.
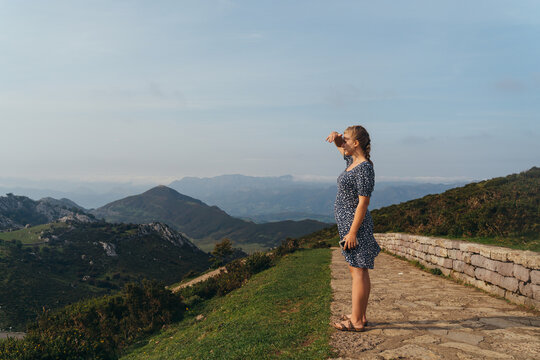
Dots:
pixel 413 314
pixel 198 279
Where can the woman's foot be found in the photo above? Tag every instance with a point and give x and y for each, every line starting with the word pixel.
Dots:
pixel 349 317
pixel 347 325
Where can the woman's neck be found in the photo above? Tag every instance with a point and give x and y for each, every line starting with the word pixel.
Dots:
pixel 358 158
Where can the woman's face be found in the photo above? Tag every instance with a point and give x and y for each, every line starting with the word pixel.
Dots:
pixel 349 144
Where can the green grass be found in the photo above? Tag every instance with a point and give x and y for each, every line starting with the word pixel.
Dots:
pixel 507 242
pixel 31 235
pixel 282 312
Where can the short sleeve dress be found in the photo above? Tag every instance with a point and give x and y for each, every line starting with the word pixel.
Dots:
pixel 359 181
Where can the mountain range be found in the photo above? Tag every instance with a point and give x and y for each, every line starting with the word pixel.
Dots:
pixel 263 199
pixel 205 224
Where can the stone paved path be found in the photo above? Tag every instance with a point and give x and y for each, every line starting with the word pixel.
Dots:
pixel 416 315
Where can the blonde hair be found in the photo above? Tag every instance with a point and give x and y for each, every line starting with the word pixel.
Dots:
pixel 360 134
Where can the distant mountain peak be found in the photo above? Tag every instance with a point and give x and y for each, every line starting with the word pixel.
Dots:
pixel 165 191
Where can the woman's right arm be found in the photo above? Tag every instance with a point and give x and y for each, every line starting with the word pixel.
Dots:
pixel 337 139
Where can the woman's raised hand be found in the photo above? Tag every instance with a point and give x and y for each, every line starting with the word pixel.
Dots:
pixel 335 137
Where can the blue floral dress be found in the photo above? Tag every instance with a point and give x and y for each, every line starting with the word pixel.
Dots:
pixel 359 181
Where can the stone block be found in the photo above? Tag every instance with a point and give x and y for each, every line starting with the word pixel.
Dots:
pixel 536 292
pixel 521 273
pixel 469 270
pixel 437 260
pixel 485 251
pixel 531 260
pixel 452 253
pixel 504 268
pixel 525 289
pixel 507 282
pixel 444 243
pixel 516 256
pixel 489 276
pixel 439 251
pixel 456 244
pixel 469 247
pixel 431 250
pixel 481 261
pixel 535 277
pixel 490 288
pixel 458 266
pixel 447 263
pixel 425 240
pixel 499 254
pixel 446 272
pixel 466 257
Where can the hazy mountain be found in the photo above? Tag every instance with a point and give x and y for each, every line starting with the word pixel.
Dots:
pixel 205 224
pixel 500 207
pixel 262 199
pixel 55 264
pixel 18 211
pixel 86 194
pixel 62 203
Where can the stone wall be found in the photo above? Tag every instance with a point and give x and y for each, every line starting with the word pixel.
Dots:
pixel 512 274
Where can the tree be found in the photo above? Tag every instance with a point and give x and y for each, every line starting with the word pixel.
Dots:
pixel 221 251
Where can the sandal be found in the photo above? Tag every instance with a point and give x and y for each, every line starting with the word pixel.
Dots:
pixel 346 317
pixel 350 327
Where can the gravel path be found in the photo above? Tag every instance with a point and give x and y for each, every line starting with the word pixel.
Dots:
pixel 413 314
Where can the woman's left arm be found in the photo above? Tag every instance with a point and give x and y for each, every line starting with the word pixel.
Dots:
pixel 350 238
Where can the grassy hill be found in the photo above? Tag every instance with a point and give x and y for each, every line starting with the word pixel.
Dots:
pixel 282 312
pixel 503 210
pixel 205 224
pixel 56 264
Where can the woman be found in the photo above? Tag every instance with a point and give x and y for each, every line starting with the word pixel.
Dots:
pixel 353 219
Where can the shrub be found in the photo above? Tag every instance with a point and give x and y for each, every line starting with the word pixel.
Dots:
pixel 100 327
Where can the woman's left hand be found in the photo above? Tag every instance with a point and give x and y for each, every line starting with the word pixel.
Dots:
pixel 350 241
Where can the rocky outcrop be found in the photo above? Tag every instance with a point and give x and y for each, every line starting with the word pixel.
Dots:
pixel 78 218
pixel 16 212
pixel 110 249
pixel 166 233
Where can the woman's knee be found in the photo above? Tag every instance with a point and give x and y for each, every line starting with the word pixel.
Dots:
pixel 358 272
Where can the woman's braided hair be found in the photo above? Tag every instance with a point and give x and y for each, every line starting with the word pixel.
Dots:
pixel 360 133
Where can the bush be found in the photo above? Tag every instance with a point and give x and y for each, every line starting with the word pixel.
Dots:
pixel 258 262
pixel 100 327
pixel 287 246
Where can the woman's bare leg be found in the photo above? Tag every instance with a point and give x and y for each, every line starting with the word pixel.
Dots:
pixel 361 287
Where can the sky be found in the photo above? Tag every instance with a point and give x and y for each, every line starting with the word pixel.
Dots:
pixel 152 91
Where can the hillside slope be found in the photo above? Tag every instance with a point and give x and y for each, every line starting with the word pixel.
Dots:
pixel 500 207
pixel 205 224
pixel 281 312
pixel 56 264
